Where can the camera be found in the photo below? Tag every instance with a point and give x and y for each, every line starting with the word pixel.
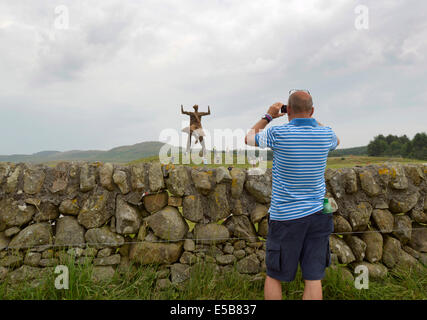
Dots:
pixel 284 109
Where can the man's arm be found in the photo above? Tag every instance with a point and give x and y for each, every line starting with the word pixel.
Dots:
pixel 338 140
pixel 274 112
pixel 205 113
pixel 184 112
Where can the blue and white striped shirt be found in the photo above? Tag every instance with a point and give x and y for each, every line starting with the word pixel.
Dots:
pixel 300 149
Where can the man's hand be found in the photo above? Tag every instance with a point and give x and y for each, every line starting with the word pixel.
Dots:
pixel 274 110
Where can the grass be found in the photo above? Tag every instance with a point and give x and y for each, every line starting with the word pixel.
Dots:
pixel 207 283
pixel 332 162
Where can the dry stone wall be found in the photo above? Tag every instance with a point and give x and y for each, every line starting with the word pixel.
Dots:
pixel 147 213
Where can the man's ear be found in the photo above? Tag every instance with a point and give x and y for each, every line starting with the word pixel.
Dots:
pixel 312 111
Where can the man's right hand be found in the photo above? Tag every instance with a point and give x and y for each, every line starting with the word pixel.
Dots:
pixel 274 110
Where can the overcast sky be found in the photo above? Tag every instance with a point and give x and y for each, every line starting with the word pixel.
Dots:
pixel 120 71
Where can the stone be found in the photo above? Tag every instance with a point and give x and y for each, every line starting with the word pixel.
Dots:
pixel 375 270
pixel 120 179
pixel 189 245
pixel 228 248
pixel 259 186
pixel 263 228
pixel 407 262
pixel 211 233
pixel 224 259
pixel 155 202
pixel 201 181
pixel 419 238
pixel 34 236
pixel 106 176
pixel 178 181
pixel 87 178
pixel 90 252
pixel 137 177
pixel 103 238
pixel 107 261
pixel 60 176
pixel 33 180
pixel 383 219
pixel 219 207
pixel 419 216
pixel 95 212
pixel 102 273
pixel 391 251
pixel 402 228
pixel 4 240
pixel 163 284
pixel 11 232
pixel 128 219
pixel 241 227
pixel 223 175
pixel 239 254
pixel 14 214
pixel 341 225
pixel 359 217
pixel 350 181
pixel 3 271
pixel 239 244
pixel 403 203
pixel 180 272
pixel 69 206
pixel 357 246
pixel 368 183
pixel 155 176
pixel 12 180
pixel 415 173
pixel 175 201
pixel 155 253
pixel 193 208
pixel 260 211
pixel 75 252
pixel 47 211
pixel 11 261
pixel 341 249
pixel 168 224
pixel 374 246
pixel 32 258
pixel 238 177
pixel 249 265
pixel 47 254
pixel 49 262
pixel 69 232
pixel 26 273
pixel 188 258
pixel 398 178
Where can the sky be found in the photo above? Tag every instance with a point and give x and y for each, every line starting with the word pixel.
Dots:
pixel 100 74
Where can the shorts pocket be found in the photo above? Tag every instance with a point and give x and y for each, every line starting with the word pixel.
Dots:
pixel 273 256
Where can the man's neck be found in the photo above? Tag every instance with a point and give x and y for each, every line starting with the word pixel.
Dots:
pixel 299 116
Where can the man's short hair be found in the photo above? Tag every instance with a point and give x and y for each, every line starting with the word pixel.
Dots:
pixel 300 102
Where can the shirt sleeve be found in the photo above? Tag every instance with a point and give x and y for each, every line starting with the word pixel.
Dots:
pixel 266 138
pixel 334 142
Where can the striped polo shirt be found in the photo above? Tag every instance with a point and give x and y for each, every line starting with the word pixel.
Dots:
pixel 300 149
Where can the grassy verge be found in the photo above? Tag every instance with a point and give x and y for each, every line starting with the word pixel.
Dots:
pixel 208 283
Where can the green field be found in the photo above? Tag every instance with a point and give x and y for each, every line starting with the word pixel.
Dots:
pixel 207 283
pixel 332 162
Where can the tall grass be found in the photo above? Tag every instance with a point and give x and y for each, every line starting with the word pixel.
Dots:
pixel 207 282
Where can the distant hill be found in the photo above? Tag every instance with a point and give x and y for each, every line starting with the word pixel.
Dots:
pixel 120 154
pixel 355 151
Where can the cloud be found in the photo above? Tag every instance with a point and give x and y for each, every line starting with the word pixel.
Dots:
pixel 119 74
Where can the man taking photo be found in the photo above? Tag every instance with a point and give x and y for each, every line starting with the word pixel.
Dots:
pixel 298 230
